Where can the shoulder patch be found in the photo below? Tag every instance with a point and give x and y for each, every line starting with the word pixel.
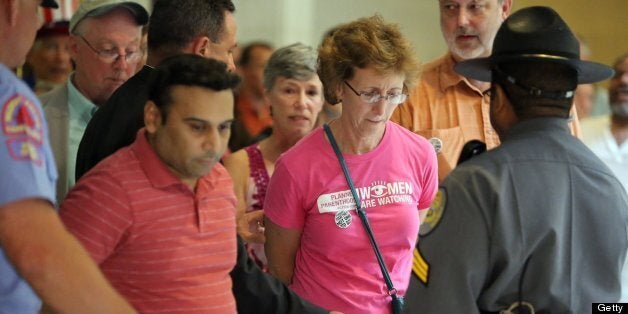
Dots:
pixel 20 116
pixel 22 126
pixel 435 213
pixel 420 267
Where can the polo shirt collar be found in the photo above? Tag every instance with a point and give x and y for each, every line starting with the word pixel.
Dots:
pixel 154 168
pixel 449 78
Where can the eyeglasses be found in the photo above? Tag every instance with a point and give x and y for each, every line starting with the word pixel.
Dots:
pixel 375 97
pixel 112 55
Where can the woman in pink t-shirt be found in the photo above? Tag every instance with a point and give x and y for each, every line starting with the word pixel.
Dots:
pixel 295 95
pixel 315 242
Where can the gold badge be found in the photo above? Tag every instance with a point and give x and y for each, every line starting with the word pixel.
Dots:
pixel 434 214
pixel 420 267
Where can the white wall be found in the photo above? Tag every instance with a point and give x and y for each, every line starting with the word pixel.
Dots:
pixel 602 23
pixel 283 22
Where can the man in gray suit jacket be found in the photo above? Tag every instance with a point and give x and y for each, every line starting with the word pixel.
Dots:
pixel 105 47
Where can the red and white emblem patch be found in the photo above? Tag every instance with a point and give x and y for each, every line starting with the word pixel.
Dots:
pixel 23 129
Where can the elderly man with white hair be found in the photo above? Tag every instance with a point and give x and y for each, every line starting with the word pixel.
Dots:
pixel 105 47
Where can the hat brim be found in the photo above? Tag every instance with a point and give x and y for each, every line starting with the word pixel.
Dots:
pixel 99 8
pixel 139 12
pixel 50 4
pixel 480 69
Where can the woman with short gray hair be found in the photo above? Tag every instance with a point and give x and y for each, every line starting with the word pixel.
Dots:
pixel 295 95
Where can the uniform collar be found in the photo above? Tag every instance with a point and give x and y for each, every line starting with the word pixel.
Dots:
pixel 548 125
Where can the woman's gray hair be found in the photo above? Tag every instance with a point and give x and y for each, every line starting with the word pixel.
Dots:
pixel 296 61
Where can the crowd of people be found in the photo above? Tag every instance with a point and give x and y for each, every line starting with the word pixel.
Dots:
pixel 149 164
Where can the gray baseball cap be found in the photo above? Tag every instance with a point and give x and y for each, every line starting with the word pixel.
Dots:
pixel 101 7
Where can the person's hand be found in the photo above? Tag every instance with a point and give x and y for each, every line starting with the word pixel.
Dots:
pixel 335 312
pixel 251 226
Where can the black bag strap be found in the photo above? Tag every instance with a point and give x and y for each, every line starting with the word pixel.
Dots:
pixel 361 213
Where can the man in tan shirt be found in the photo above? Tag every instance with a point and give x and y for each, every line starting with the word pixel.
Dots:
pixel 445 107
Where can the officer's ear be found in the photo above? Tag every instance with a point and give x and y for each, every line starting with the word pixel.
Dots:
pixel 501 112
pixel 152 117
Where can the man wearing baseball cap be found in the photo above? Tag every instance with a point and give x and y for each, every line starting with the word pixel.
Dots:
pixel 38 257
pixel 105 47
pixel 538 223
pixel 96 8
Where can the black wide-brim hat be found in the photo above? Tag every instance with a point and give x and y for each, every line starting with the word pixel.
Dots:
pixel 535 33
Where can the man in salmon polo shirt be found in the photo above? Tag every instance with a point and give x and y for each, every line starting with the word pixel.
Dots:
pixel 158 216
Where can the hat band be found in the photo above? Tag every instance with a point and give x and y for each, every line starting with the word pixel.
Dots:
pixel 542 56
pixel 532 90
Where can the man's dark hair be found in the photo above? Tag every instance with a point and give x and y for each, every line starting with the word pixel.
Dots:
pixel 247 51
pixel 188 70
pixel 554 80
pixel 175 23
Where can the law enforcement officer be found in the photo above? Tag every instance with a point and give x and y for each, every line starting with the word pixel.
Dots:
pixel 38 257
pixel 538 223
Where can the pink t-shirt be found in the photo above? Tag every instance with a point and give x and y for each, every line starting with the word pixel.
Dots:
pixel 336 267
